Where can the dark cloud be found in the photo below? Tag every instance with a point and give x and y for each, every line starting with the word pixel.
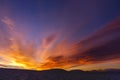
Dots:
pixel 103 45
pixel 107 51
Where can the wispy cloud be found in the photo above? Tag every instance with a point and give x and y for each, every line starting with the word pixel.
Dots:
pixel 101 46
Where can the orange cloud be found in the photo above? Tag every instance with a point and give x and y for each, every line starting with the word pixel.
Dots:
pixel 96 48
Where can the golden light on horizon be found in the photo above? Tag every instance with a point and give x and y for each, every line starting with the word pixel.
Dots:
pixel 51 52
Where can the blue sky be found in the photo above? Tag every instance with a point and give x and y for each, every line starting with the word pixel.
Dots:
pixel 51 15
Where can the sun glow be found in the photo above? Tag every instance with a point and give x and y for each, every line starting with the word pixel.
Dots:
pixel 17 51
pixel 24 54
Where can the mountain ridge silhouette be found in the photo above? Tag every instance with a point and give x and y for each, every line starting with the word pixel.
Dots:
pixel 59 74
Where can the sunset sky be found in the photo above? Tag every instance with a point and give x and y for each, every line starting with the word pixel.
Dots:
pixel 66 34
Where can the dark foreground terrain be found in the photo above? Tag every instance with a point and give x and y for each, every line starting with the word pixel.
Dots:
pixel 58 74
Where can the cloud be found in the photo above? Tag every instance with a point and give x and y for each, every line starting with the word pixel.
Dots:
pixel 10 23
pixel 49 40
pixel 101 46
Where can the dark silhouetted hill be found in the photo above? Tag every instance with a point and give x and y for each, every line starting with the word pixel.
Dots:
pixel 58 74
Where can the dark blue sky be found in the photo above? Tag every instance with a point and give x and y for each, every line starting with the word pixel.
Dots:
pixel 80 16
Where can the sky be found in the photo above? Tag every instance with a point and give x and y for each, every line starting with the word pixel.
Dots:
pixel 66 34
